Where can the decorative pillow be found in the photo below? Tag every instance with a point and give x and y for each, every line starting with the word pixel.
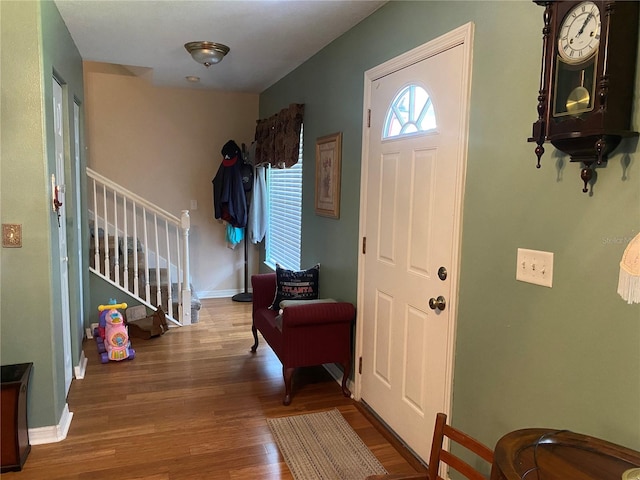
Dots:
pixel 290 285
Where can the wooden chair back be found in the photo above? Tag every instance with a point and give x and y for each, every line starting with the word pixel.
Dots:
pixel 438 455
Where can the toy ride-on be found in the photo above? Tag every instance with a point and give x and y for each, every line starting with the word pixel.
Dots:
pixel 112 337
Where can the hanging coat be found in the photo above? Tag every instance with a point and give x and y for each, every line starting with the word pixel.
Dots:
pixel 258 209
pixel 229 199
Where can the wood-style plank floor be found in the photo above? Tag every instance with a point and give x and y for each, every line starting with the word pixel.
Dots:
pixel 192 404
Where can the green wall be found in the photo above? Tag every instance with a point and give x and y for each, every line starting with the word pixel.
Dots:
pixel 565 357
pixel 62 60
pixel 35 45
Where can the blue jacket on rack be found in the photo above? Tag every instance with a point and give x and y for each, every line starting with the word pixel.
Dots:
pixel 229 198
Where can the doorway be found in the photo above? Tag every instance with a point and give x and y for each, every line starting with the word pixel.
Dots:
pixel 412 186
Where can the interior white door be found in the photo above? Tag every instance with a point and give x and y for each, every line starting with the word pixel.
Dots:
pixel 78 213
pixel 412 205
pixel 62 232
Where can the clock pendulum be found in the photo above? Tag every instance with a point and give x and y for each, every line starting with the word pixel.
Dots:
pixel 579 98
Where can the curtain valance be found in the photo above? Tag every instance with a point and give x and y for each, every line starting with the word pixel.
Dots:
pixel 278 137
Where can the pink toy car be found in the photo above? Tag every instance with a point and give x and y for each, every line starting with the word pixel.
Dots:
pixel 112 336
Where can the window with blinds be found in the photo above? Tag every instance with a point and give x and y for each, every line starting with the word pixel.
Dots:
pixel 284 191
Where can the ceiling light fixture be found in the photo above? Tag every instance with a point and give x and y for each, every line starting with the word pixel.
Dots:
pixel 207 53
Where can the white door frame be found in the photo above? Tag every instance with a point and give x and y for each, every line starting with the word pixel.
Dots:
pixel 460 36
pixel 63 253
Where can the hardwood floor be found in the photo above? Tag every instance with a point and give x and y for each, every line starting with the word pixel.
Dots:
pixel 192 405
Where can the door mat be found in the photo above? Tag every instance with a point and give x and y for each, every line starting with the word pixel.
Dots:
pixel 323 446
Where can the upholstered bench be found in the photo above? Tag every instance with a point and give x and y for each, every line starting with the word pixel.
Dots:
pixel 302 335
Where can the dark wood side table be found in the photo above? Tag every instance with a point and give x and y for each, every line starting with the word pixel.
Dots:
pixel 544 454
pixel 14 444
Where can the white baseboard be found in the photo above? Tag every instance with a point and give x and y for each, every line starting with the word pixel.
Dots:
pixel 89 331
pixel 218 293
pixel 336 373
pixel 54 433
pixel 81 368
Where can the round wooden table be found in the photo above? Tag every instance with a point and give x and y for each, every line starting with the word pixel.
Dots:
pixel 544 454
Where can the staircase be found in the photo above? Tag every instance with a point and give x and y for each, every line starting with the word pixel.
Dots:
pixel 141 249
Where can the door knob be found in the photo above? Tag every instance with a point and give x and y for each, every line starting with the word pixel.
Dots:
pixel 437 303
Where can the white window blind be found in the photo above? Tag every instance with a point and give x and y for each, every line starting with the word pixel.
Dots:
pixel 284 190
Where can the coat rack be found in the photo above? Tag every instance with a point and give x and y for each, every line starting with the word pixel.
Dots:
pixel 245 296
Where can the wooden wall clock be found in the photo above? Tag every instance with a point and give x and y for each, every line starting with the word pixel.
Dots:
pixel 587 79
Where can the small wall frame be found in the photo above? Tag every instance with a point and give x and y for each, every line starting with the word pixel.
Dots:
pixel 328 171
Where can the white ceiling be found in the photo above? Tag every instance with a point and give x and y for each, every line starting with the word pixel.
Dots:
pixel 268 38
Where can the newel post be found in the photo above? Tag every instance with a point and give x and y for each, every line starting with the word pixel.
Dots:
pixel 185 307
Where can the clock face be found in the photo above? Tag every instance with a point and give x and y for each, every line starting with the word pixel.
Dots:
pixel 579 34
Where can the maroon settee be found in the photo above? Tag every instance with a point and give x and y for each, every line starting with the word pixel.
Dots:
pixel 305 335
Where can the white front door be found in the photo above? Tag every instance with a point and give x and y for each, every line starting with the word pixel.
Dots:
pixel 411 204
pixel 58 121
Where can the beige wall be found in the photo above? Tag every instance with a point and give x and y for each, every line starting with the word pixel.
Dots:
pixel 164 144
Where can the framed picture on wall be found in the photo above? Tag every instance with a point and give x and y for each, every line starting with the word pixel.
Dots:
pixel 328 168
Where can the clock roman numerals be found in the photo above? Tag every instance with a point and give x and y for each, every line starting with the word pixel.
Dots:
pixel 579 34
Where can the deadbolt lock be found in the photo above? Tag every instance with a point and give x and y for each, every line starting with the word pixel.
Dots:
pixel 442 273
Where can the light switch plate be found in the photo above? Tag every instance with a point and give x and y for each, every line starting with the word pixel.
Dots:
pixel 534 266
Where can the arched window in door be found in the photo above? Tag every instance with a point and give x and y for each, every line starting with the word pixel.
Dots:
pixel 410 112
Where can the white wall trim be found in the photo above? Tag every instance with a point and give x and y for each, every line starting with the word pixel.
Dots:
pixel 54 433
pixel 336 373
pixel 219 293
pixel 80 369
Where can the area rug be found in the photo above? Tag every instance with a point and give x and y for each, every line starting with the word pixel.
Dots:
pixel 323 446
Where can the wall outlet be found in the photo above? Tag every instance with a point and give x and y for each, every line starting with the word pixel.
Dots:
pixel 534 266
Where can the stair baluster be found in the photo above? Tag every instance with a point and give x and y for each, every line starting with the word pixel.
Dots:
pixel 147 285
pixel 107 263
pixel 123 213
pixel 134 247
pixel 96 241
pixel 169 283
pixel 125 241
pixel 116 250
pixel 185 224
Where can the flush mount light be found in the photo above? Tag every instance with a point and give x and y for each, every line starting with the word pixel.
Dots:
pixel 192 78
pixel 207 53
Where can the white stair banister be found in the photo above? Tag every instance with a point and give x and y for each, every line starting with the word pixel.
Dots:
pixel 169 282
pixel 96 241
pixel 147 285
pixel 125 241
pixel 185 224
pixel 116 249
pixel 158 279
pixel 107 263
pixel 114 219
pixel 136 273
pixel 179 267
